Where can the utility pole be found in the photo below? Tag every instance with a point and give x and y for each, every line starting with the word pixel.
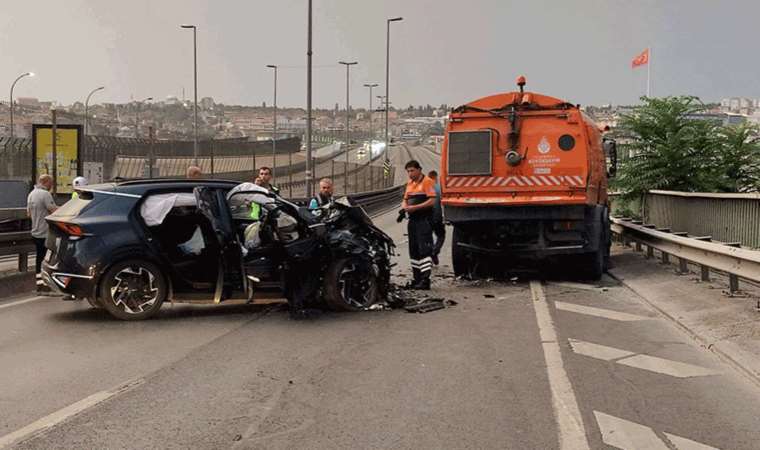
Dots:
pixel 309 187
pixel 348 121
pixel 54 136
pixel 371 134
pixel 387 82
pixel 274 128
pixel 195 92
pixel 27 74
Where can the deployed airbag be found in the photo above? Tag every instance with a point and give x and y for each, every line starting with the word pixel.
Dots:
pixel 156 207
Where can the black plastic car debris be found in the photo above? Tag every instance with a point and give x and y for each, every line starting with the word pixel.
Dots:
pixel 431 304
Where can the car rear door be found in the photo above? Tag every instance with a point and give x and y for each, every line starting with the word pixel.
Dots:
pixel 213 205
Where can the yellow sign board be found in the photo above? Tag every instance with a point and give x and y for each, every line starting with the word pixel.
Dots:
pixel 66 155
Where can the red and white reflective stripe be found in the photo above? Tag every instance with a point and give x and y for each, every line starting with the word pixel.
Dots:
pixel 518 180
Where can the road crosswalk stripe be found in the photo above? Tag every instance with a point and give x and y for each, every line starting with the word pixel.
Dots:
pixel 624 434
pixel 598 312
pixel 598 351
pixel 687 444
pixel 639 361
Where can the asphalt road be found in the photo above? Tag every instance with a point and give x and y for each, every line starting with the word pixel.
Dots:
pixel 521 364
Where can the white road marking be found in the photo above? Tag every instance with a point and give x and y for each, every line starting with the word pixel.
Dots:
pixel 627 435
pixel 51 420
pixel 687 444
pixel 572 433
pixel 598 351
pixel 666 366
pixel 639 361
pixel 21 302
pixel 598 312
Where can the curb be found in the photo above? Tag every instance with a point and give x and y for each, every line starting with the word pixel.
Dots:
pixel 734 357
pixel 17 284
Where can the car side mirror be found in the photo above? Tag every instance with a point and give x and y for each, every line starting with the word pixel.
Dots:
pixel 610 150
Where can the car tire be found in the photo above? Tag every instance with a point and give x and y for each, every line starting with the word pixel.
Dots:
pixel 94 302
pixel 133 290
pixel 349 286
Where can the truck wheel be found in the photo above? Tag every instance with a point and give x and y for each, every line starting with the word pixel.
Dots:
pixel 607 233
pixel 133 290
pixel 460 258
pixel 349 286
pixel 595 264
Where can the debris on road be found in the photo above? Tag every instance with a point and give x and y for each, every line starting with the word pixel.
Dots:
pixel 428 305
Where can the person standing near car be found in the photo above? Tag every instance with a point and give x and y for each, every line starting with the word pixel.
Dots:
pixel 77 183
pixel 39 204
pixel 265 173
pixel 324 196
pixel 194 173
pixel 439 229
pixel 419 200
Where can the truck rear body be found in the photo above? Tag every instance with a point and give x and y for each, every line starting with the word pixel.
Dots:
pixel 524 175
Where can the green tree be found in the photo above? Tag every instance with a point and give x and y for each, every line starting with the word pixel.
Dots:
pixel 738 158
pixel 669 148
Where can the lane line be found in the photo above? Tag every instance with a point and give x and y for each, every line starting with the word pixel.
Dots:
pixel 598 312
pixel 572 434
pixel 640 361
pixel 624 434
pixel 682 443
pixel 21 302
pixel 666 366
pixel 53 419
pixel 598 351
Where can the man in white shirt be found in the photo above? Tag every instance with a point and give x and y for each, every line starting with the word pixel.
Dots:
pixel 39 204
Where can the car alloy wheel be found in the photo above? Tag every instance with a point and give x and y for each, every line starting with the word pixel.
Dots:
pixel 135 290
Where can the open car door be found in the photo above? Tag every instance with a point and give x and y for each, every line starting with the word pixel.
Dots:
pixel 213 204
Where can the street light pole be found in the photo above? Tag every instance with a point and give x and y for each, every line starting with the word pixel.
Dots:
pixel 348 121
pixel 309 187
pixel 87 116
pixel 274 127
pixel 195 92
pixel 27 74
pixel 387 79
pixel 137 116
pixel 371 135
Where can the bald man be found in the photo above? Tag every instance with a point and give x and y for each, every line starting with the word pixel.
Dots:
pixel 194 172
pixel 39 204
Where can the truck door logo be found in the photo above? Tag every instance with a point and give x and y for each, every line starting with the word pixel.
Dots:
pixel 544 146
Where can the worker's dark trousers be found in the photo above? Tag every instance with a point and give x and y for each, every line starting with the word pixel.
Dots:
pixel 439 229
pixel 39 244
pixel 420 247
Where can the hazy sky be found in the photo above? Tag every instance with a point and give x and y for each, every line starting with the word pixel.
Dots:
pixel 443 52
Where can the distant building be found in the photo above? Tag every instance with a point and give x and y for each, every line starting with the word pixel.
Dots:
pixel 28 101
pixel 207 103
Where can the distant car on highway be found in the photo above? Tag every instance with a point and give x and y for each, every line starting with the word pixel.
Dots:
pixel 128 247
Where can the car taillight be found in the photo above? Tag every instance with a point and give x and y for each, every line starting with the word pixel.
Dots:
pixel 70 229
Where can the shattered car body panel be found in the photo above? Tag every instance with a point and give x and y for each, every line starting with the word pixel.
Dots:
pixel 203 251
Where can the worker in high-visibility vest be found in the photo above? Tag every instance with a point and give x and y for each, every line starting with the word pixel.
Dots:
pixel 77 183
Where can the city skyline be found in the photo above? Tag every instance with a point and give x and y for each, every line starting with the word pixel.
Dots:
pixel 578 51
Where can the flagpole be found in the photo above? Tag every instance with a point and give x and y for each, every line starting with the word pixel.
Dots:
pixel 649 69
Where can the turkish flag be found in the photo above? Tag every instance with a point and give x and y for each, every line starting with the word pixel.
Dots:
pixel 641 59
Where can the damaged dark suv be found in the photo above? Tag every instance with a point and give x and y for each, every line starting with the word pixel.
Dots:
pixel 128 247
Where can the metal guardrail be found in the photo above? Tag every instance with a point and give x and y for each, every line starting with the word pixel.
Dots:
pixel 17 243
pixel 726 257
pixel 727 217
